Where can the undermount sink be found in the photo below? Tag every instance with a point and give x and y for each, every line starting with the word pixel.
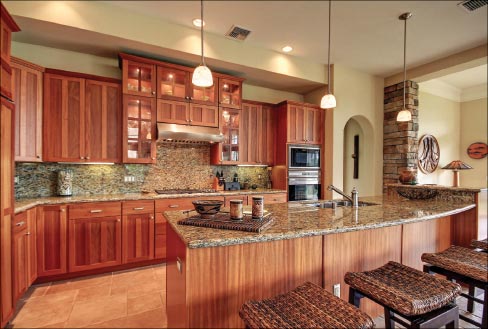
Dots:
pixel 339 203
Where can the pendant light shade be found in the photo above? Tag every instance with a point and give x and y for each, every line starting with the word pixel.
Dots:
pixel 202 76
pixel 329 100
pixel 404 115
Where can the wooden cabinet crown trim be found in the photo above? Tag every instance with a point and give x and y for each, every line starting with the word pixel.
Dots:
pixel 19 61
pixel 82 75
pixel 247 101
pixel 287 102
pixel 8 19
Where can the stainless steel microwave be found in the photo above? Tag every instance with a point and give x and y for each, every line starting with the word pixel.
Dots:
pixel 303 157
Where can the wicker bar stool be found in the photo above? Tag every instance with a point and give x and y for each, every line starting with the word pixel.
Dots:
pixel 307 306
pixel 422 299
pixel 480 244
pixel 466 266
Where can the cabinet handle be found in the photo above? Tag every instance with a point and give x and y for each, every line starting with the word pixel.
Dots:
pixel 82 158
pixel 88 158
pixel 138 208
pixel 28 233
pixel 20 224
pixel 174 206
pixel 179 264
pixel 153 92
pixel 38 156
pixel 95 211
pixel 151 217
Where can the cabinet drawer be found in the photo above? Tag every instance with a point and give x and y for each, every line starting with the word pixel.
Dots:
pixel 94 210
pixel 20 222
pixel 235 197
pixel 274 198
pixel 181 203
pixel 138 207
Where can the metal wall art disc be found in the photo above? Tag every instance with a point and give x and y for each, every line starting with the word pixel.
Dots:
pixel 428 154
pixel 477 150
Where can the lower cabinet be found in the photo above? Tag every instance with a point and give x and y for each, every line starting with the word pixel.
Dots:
pixel 94 241
pixel 52 234
pixel 137 231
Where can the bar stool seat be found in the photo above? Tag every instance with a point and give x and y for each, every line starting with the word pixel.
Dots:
pixel 307 306
pixel 480 244
pixel 467 266
pixel 420 298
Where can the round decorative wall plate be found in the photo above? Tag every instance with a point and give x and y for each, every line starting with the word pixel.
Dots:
pixel 477 150
pixel 428 154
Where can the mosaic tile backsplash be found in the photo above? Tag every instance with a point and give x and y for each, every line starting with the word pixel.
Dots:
pixel 178 166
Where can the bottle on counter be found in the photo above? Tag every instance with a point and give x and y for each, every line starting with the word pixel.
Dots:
pixel 236 212
pixel 257 207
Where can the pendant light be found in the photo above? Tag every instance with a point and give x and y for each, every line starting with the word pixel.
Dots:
pixel 202 77
pixel 404 115
pixel 329 100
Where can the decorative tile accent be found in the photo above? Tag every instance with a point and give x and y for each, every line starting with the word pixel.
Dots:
pixel 178 166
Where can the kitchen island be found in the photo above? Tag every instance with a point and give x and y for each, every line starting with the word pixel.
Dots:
pixel 211 272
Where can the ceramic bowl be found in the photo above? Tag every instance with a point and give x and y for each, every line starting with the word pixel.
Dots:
pixel 207 208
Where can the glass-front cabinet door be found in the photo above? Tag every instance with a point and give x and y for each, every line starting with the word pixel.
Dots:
pixel 230 129
pixel 230 93
pixel 173 83
pixel 204 95
pixel 140 129
pixel 139 78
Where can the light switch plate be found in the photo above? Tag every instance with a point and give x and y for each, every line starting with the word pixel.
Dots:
pixel 337 290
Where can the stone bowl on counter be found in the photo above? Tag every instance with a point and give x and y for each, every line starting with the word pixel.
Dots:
pixel 417 193
pixel 207 208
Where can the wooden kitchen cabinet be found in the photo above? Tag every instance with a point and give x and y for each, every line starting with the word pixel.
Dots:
pixel 230 93
pixel 138 78
pixel 27 93
pixel 95 232
pixel 139 129
pixel 7 26
pixel 271 198
pixel 228 152
pixel 137 231
pixel 304 124
pixel 187 113
pixel 227 199
pixel 81 118
pixel 31 246
pixel 52 234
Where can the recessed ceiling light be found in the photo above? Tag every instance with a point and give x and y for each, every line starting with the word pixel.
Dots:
pixel 287 49
pixel 198 22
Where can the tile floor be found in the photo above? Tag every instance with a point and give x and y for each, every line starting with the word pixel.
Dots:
pixel 127 299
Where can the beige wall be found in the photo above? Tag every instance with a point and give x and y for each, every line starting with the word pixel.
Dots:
pixel 67 60
pixel 359 96
pixel 473 129
pixel 268 95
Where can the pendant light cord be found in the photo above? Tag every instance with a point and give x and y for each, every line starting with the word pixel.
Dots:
pixel 328 50
pixel 201 30
pixel 404 61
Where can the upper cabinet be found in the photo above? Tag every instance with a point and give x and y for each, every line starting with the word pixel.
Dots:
pixel 7 26
pixel 27 93
pixel 81 118
pixel 305 123
pixel 138 78
pixel 230 93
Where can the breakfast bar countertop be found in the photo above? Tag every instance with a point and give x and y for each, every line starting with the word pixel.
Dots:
pixel 295 220
pixel 25 204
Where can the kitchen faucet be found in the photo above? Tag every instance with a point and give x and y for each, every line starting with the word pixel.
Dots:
pixel 353 198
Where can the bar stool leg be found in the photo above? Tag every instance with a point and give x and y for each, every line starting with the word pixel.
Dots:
pixel 354 297
pixel 471 292
pixel 484 321
pixel 389 322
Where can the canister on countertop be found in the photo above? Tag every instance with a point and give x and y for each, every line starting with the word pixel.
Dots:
pixel 236 212
pixel 65 182
pixel 257 207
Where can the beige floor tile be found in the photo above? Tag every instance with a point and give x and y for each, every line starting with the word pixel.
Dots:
pixel 144 303
pixel 56 325
pixel 115 323
pixel 137 290
pixel 151 319
pixel 91 281
pixel 97 310
pixel 45 310
pixel 118 290
pixel 133 277
pixel 36 290
pixel 94 292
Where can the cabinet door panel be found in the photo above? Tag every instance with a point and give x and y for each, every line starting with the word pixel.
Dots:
pixel 19 257
pixel 173 112
pixel 313 126
pixel 51 240
pixel 31 237
pixel 138 237
pixel 173 83
pixel 138 78
pixel 160 236
pixel 269 133
pixel 94 243
pixel 103 115
pixel 204 115
pixel 296 123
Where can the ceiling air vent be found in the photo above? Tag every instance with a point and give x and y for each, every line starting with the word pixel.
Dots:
pixel 237 33
pixel 472 5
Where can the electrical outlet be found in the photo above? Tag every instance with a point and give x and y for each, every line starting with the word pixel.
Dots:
pixel 16 179
pixel 337 290
pixel 129 179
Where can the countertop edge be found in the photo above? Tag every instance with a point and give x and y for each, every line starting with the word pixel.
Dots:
pixel 195 244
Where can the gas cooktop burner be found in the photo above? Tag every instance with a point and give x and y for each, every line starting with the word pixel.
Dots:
pixel 185 191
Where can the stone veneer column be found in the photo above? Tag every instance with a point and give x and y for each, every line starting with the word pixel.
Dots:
pixel 400 139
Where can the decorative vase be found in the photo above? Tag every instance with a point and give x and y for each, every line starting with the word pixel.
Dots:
pixel 408 176
pixel 65 182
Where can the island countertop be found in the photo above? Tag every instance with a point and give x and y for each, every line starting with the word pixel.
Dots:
pixel 294 220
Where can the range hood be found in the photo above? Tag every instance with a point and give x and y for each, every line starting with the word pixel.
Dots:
pixel 183 133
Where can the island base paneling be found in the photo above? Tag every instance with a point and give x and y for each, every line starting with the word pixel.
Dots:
pixel 359 251
pixel 233 275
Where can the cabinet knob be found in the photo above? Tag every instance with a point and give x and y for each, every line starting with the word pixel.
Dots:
pixel 153 92
pixel 28 233
pixel 190 121
pixel 88 158
pixel 38 156
pixel 82 158
pixel 153 158
pixel 63 210
pixel 190 98
pixel 20 224
pixel 151 217
pixel 118 220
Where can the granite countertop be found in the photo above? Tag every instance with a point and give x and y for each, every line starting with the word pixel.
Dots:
pixel 25 204
pixel 294 220
pixel 439 187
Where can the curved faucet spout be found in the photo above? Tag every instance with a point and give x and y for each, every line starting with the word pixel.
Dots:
pixel 353 199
